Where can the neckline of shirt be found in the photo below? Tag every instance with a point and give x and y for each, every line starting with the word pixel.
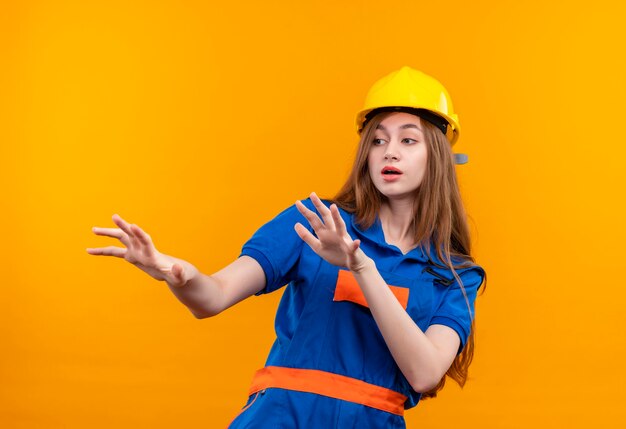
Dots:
pixel 376 235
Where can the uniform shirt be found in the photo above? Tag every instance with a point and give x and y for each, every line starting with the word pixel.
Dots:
pixel 315 330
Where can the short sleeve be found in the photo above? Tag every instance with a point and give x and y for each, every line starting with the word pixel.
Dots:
pixel 276 247
pixel 453 311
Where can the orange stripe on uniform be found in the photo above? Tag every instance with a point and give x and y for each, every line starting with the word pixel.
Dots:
pixel 330 385
pixel 348 289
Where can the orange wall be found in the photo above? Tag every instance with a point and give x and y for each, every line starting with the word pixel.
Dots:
pixel 199 122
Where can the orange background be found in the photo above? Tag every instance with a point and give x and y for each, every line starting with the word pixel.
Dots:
pixel 200 121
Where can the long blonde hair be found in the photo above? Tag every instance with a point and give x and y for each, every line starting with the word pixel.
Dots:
pixel 439 219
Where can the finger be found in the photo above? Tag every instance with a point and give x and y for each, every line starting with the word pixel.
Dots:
pixel 175 270
pixel 307 237
pixel 340 225
pixel 111 232
pixel 313 219
pixel 118 252
pixel 355 245
pixel 134 239
pixel 169 269
pixel 323 210
pixel 171 276
pixel 179 277
pixel 143 238
pixel 125 226
pixel 178 271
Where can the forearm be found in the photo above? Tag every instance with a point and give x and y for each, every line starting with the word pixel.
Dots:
pixel 414 353
pixel 202 294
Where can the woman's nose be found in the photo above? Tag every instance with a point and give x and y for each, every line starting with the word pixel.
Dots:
pixel 392 152
pixel 390 156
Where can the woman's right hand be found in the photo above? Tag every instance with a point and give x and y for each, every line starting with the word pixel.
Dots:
pixel 140 251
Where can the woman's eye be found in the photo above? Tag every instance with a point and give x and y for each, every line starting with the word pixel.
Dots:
pixel 378 142
pixel 410 141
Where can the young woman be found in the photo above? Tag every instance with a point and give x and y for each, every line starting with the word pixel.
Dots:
pixel 379 305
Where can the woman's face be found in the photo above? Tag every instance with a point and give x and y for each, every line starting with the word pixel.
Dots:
pixel 397 156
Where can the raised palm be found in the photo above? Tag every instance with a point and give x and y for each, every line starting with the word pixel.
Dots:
pixel 140 251
pixel 333 243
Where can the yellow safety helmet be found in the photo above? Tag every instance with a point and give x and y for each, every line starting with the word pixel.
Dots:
pixel 412 91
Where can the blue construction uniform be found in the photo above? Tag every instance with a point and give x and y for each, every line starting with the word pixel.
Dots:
pixel 315 332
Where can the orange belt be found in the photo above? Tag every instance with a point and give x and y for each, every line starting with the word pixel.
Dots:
pixel 331 385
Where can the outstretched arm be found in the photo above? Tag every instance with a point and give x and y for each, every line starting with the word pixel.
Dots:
pixel 204 295
pixel 423 357
pixel 209 295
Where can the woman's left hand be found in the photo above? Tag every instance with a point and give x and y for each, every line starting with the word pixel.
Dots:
pixel 333 243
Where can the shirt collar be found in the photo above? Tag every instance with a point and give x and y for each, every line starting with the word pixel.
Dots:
pixel 376 235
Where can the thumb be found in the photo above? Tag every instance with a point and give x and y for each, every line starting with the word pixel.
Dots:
pixel 178 272
pixel 355 245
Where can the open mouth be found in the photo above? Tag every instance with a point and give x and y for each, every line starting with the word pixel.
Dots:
pixel 390 171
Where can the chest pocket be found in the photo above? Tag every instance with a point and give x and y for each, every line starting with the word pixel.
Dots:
pixel 347 289
pixel 438 278
pixel 416 295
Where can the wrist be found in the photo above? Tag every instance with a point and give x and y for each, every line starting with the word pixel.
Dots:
pixel 190 272
pixel 364 263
